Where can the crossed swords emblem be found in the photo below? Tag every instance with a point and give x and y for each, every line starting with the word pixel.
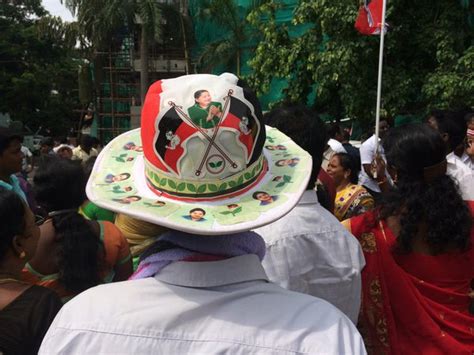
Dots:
pixel 212 140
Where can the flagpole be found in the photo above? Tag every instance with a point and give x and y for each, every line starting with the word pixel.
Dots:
pixel 379 79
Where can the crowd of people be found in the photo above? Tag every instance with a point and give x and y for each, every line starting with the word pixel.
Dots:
pixel 348 251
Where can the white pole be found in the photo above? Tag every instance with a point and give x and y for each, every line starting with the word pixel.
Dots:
pixel 379 80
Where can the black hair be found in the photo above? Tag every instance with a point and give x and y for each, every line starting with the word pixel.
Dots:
pixel 60 185
pixel 87 141
pixel 198 93
pixel 47 141
pixel 12 213
pixel 437 202
pixel 453 123
pixel 6 137
pixel 469 117
pixel 334 129
pixel 198 209
pixel 305 128
pixel 89 166
pixel 348 162
pixel 254 195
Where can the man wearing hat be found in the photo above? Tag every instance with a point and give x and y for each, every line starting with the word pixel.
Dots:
pixel 11 159
pixel 201 287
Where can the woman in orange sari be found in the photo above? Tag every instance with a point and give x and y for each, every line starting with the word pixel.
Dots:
pixel 351 199
pixel 419 254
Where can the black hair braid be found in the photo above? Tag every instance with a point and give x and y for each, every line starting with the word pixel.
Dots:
pixel 78 255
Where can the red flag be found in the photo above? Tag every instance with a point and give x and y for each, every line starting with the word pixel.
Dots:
pixel 369 20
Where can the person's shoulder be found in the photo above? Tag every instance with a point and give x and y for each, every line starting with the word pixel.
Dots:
pixel 42 295
pixel 369 141
pixel 96 302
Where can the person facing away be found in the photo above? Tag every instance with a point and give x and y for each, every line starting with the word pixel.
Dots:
pixel 351 199
pixel 195 293
pixel 419 252
pixel 452 127
pixel 26 311
pixel 308 250
pixel 373 182
pixel 73 253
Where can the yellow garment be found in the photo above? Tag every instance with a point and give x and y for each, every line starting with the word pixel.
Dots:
pixel 139 234
pixel 352 201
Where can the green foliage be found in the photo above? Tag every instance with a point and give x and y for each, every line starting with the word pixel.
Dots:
pixel 428 59
pixel 38 72
pixel 226 50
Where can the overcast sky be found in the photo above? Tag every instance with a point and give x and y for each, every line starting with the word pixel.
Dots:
pixel 57 9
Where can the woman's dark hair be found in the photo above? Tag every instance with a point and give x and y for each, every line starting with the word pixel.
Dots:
pixel 436 201
pixel 60 185
pixel 348 163
pixel 198 93
pixel 12 213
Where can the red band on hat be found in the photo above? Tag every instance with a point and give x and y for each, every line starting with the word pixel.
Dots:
pixel 150 111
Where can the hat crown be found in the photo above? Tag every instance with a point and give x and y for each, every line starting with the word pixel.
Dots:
pixel 201 130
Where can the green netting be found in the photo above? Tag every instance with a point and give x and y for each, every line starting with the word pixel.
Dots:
pixel 206 31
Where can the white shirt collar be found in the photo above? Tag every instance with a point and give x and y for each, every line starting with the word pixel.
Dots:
pixel 309 197
pixel 206 274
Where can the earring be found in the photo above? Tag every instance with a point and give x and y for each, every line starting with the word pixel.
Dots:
pixel 22 255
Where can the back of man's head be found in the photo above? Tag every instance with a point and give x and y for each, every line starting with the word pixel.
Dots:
pixel 6 137
pixel 87 142
pixel 451 123
pixel 303 126
pixel 335 131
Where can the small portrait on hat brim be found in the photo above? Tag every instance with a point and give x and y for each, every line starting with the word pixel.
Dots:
pixel 110 178
pixel 133 146
pixel 196 215
pixel 127 200
pixel 205 113
pixel 264 197
pixel 275 147
pixel 287 162
pixel 156 204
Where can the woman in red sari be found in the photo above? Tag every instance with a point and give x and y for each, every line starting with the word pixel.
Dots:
pixel 419 250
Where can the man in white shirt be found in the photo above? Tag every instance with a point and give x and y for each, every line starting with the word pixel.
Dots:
pixel 85 150
pixel 308 250
pixel 197 293
pixel 452 127
pixel 367 157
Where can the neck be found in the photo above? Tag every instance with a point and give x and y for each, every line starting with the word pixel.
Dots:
pixel 10 268
pixel 342 185
pixel 5 177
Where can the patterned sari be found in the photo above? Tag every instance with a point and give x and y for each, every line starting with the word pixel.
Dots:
pixel 352 201
pixel 413 303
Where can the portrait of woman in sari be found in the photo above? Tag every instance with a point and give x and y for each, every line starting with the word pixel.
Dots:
pixel 419 253
pixel 351 199
pixel 205 112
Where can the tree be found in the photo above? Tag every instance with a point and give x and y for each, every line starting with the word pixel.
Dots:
pixel 99 20
pixel 428 56
pixel 37 67
pixel 228 48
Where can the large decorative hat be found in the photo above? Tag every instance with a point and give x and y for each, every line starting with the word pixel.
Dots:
pixel 202 161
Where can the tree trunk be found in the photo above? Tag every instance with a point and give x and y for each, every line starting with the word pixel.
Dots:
pixel 143 63
pixel 238 63
pixel 185 44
